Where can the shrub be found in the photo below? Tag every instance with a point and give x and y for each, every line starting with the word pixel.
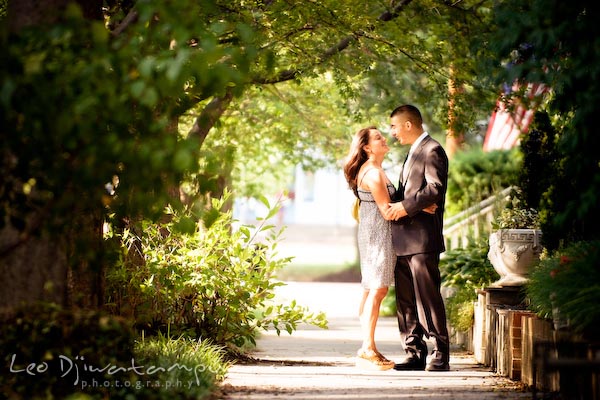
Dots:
pixel 49 351
pixel 516 216
pixel 208 279
pixel 54 353
pixel 540 160
pixel 569 280
pixel 461 310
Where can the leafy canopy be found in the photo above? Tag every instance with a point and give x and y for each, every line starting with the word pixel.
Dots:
pixel 90 103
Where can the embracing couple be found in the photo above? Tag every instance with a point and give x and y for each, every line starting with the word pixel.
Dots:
pixel 400 240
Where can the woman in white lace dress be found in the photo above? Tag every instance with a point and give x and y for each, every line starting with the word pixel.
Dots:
pixel 369 182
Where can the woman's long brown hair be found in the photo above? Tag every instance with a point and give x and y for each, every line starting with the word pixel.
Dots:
pixel 357 157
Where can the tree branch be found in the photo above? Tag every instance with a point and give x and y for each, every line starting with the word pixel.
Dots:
pixel 340 46
pixel 210 115
pixel 129 19
pixel 215 109
pixel 11 238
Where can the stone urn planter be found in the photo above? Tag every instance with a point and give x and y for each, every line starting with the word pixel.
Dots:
pixel 512 253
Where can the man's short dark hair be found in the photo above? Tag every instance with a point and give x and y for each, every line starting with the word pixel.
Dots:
pixel 413 113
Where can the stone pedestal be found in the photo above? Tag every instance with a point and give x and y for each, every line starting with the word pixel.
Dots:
pixel 491 319
pixel 517 319
pixel 503 352
pixel 536 330
pixel 512 296
pixel 516 343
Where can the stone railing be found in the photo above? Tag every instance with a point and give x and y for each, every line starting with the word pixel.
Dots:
pixel 471 223
pixel 474 221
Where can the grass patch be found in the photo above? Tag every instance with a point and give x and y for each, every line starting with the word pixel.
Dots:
pixel 181 367
pixel 312 272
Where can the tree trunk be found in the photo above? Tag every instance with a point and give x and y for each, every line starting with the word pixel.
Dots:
pixel 35 271
pixel 454 139
pixel 60 266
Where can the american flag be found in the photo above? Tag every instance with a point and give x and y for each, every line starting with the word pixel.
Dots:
pixel 508 123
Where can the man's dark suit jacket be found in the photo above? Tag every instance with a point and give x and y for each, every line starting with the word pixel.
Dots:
pixel 425 184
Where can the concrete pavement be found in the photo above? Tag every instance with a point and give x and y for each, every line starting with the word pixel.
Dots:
pixel 319 364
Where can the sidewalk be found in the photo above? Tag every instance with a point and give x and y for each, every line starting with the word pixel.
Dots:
pixel 318 364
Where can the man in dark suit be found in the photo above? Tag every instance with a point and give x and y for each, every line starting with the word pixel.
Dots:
pixel 418 241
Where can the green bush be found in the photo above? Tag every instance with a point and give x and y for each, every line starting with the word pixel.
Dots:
pixel 474 176
pixel 388 304
pixel 568 280
pixel 465 270
pixel 51 353
pixel 468 266
pixel 48 352
pixel 461 310
pixel 208 280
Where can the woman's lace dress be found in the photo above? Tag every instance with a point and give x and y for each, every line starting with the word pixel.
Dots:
pixel 377 255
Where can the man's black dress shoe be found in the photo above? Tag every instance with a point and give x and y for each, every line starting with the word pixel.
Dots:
pixel 439 362
pixel 411 363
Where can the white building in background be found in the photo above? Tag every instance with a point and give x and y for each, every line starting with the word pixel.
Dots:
pixel 324 198
pixel 321 197
pixel 314 198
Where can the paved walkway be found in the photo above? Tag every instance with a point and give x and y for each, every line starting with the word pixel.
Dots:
pixel 318 364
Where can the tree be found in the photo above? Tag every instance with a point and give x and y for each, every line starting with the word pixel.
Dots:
pixel 387 65
pixel 90 128
pixel 91 107
pixel 434 45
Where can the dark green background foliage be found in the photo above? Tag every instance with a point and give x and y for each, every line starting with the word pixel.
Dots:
pixel 558 45
pixel 568 281
pixel 43 333
pixel 474 176
pixel 69 347
pixel 540 161
pixel 80 108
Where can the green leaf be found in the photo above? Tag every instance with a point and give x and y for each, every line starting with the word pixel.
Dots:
pixel 137 88
pixel 146 67
pixel 210 217
pixel 183 160
pixel 149 97
pixel 185 225
pixel 264 201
